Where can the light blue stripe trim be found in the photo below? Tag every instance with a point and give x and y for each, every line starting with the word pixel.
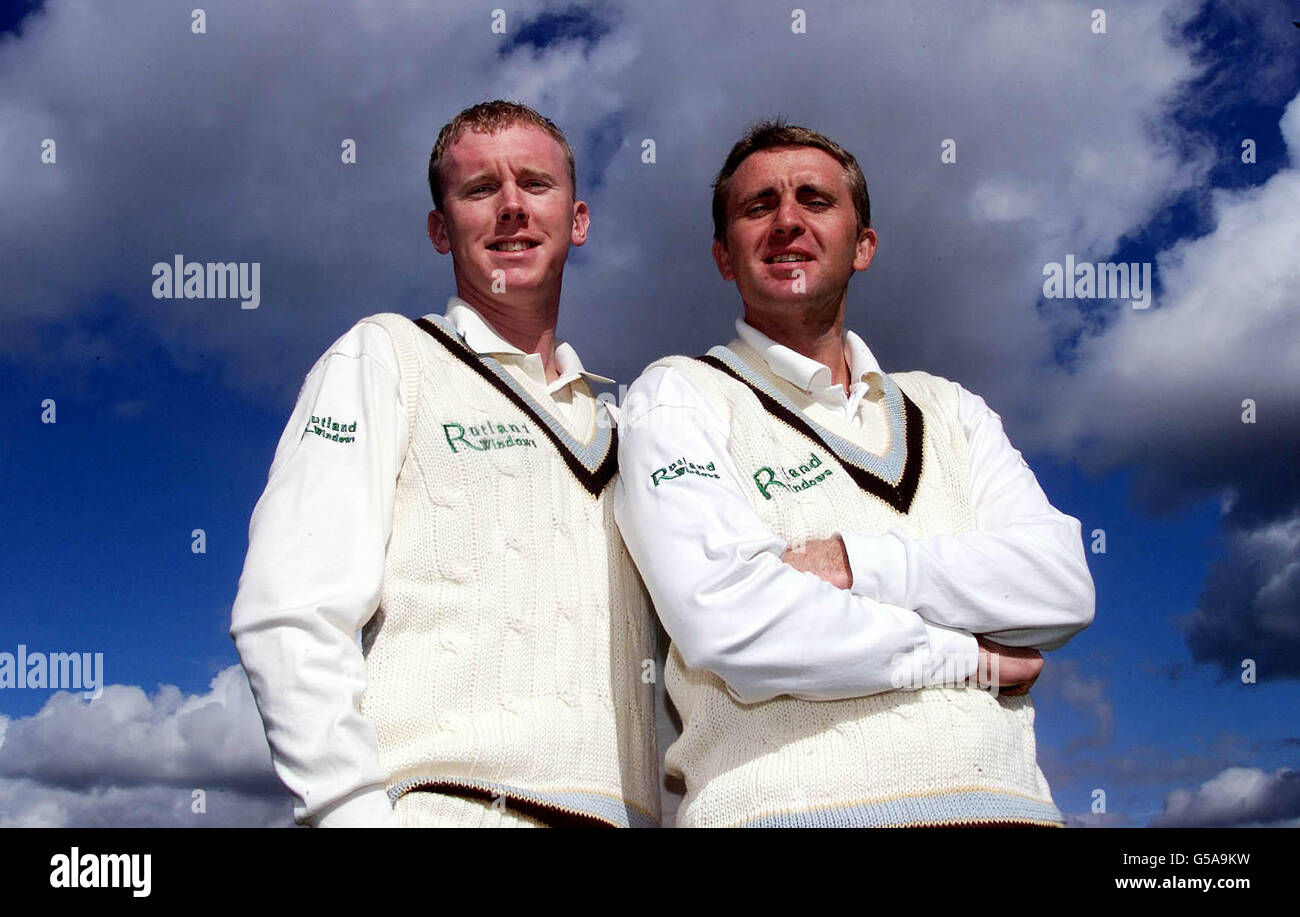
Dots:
pixel 605 808
pixel 974 806
pixel 591 455
pixel 888 468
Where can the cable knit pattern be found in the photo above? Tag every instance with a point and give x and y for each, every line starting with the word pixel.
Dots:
pixel 938 755
pixel 506 655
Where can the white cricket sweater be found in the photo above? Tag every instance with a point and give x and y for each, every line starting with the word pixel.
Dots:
pixel 508 651
pixel 939 755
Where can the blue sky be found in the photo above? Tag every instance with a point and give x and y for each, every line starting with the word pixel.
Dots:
pixel 225 147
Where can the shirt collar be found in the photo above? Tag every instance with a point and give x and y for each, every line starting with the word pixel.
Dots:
pixel 805 372
pixel 481 337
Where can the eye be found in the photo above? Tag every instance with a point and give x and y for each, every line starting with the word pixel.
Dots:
pixel 754 208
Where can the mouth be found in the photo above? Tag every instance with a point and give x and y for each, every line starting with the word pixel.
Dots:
pixel 513 245
pixel 787 258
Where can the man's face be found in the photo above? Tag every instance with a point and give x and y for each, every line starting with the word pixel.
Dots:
pixel 790 209
pixel 508 207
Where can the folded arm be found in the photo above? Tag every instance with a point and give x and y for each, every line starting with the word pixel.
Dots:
pixel 1020 577
pixel 714 570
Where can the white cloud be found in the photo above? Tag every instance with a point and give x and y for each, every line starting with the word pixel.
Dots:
pixel 1166 391
pixel 1165 386
pixel 220 146
pixel 31 804
pixel 1000 200
pixel 130 759
pixel 1096 820
pixel 1237 797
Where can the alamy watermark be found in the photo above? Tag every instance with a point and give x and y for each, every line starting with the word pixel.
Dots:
pixel 183 279
pixel 1104 280
pixel 64 671
pixel 75 869
pixel 921 669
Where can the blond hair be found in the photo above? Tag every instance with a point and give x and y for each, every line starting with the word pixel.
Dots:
pixel 489 118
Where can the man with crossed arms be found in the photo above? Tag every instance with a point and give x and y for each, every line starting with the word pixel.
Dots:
pixel 831 548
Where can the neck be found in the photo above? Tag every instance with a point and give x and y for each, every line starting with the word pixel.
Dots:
pixel 816 332
pixel 528 324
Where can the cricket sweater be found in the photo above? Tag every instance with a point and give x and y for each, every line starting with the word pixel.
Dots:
pixel 506 658
pixel 943 754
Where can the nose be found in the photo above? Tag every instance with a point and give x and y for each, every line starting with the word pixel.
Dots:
pixel 787 222
pixel 512 205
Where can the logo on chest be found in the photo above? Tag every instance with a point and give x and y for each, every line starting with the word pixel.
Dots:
pixel 807 474
pixel 488 434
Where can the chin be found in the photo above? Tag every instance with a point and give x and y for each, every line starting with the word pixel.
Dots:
pixel 783 291
pixel 516 283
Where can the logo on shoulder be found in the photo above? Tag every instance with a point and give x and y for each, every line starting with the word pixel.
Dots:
pixel 339 431
pixel 682 467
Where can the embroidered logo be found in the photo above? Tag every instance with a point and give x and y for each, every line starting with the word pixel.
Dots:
pixel 800 478
pixel 329 428
pixel 680 467
pixel 487 435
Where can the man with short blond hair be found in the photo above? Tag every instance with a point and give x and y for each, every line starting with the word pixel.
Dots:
pixel 462 522
pixel 491 118
pixel 846 560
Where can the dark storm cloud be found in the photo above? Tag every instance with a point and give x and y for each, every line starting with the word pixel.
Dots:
pixel 1250 608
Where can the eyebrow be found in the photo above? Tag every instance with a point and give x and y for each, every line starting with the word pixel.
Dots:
pixel 770 191
pixel 477 178
pixel 765 192
pixel 528 172
pixel 818 190
pixel 531 172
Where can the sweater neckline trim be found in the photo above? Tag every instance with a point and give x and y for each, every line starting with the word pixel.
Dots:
pixel 893 476
pixel 593 463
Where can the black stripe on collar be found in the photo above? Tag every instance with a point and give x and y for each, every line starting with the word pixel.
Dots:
pixel 898 496
pixel 594 480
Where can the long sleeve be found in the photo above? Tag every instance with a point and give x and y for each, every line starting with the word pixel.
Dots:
pixel 713 569
pixel 313 577
pixel 1020 577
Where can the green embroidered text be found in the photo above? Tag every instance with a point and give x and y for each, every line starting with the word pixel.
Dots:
pixel 329 428
pixel 801 478
pixel 680 467
pixel 487 435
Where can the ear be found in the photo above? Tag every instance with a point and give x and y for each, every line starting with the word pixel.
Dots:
pixel 581 223
pixel 723 260
pixel 866 249
pixel 438 232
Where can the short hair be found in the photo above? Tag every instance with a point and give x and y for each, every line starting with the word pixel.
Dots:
pixel 774 133
pixel 489 118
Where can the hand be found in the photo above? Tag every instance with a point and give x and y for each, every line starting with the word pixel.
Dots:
pixel 1014 668
pixel 826 557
